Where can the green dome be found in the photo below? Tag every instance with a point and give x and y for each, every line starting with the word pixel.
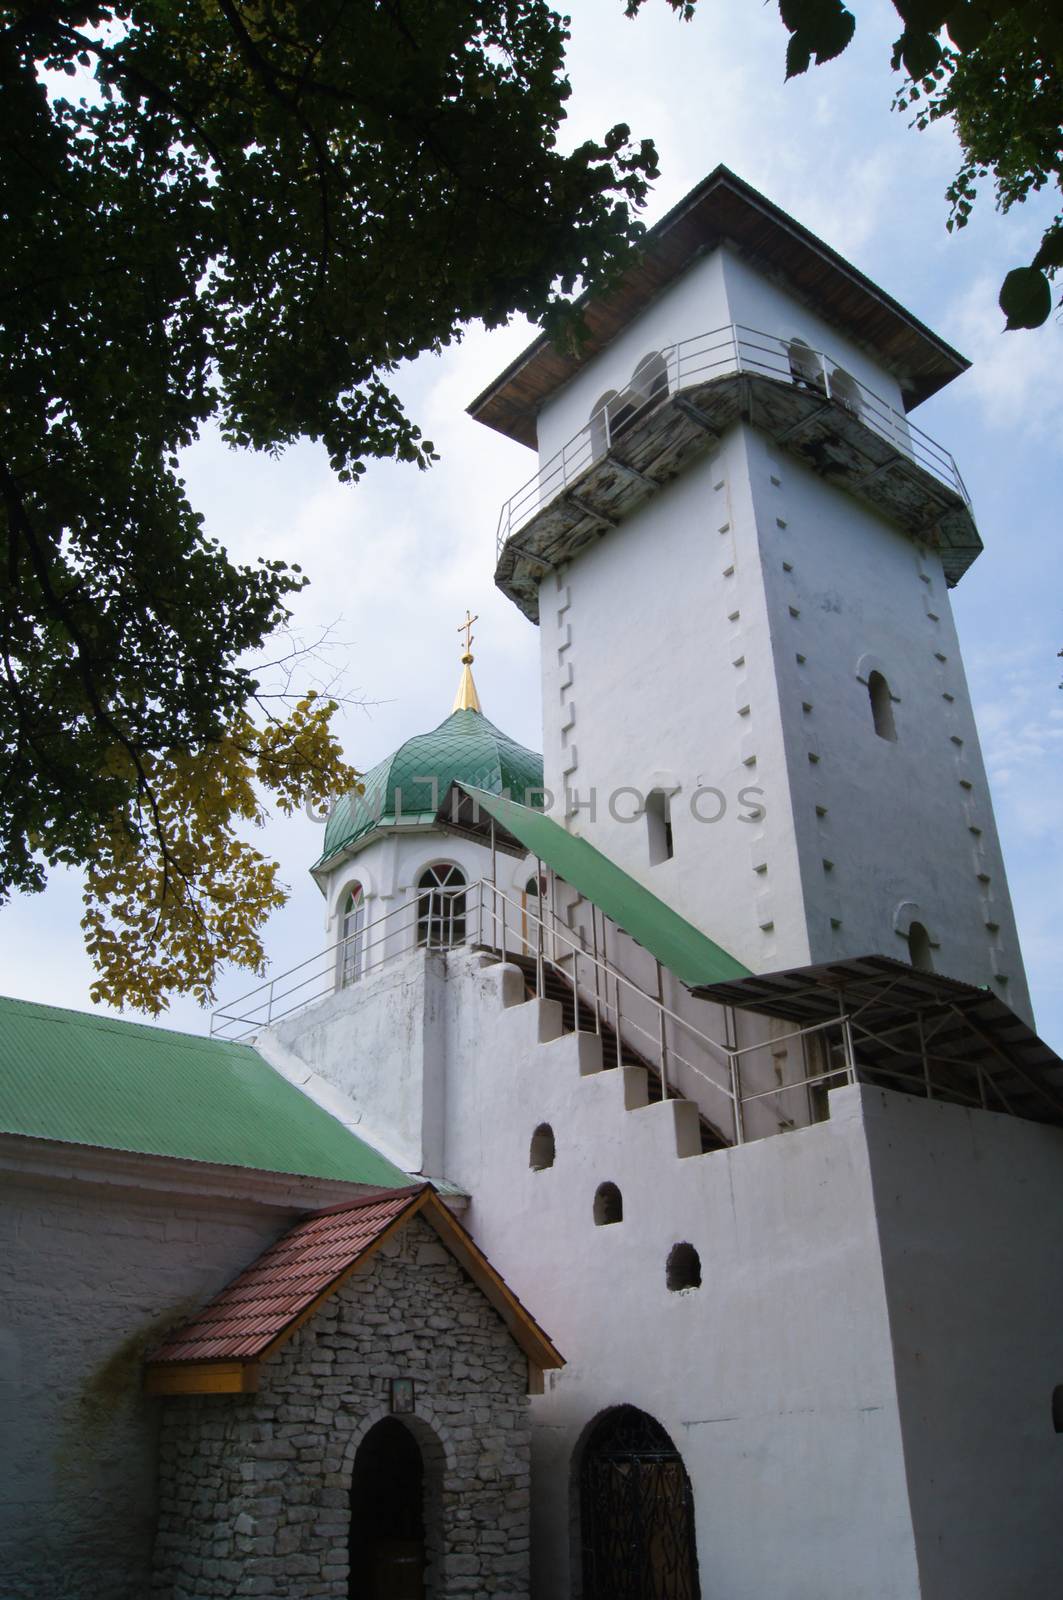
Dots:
pixel 465 747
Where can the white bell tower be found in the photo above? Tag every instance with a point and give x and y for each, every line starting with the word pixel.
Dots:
pixel 739 550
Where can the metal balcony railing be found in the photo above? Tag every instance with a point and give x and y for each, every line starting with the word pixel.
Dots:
pixel 726 352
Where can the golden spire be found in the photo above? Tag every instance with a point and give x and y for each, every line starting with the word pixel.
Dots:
pixel 466 698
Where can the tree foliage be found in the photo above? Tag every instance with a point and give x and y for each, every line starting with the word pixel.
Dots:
pixel 245 212
pixel 995 67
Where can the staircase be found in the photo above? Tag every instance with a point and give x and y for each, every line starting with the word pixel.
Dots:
pixel 557 987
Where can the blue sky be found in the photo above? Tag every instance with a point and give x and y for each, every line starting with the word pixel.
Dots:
pixel 394 562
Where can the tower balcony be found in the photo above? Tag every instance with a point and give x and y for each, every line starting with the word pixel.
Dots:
pixel 679 406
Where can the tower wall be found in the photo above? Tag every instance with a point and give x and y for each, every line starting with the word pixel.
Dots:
pixel 658 672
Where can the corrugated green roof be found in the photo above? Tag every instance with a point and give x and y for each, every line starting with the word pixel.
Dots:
pixel 677 944
pixel 85 1079
pixel 465 748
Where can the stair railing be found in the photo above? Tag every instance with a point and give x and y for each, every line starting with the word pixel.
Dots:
pixel 592 973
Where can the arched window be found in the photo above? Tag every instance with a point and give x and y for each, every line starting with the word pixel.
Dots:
pixel 806 368
pixel 920 953
pixel 684 1268
pixel 352 932
pixel 882 706
pixel 845 390
pixel 650 379
pixel 543 1150
pixel 636 1512
pixel 600 423
pixel 608 1205
pixel 441 907
pixel 659 825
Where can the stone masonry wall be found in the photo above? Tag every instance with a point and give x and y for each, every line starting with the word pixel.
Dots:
pixel 254 1490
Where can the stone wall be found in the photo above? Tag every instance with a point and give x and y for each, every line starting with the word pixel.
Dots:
pixel 254 1490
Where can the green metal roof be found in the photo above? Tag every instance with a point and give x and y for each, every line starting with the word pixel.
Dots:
pixel 409 786
pixel 91 1080
pixel 677 944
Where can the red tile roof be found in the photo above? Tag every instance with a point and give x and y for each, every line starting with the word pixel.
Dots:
pixel 242 1322
pixel 277 1293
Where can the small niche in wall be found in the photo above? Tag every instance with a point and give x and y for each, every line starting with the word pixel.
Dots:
pixel 684 1268
pixel 608 1205
pixel 542 1152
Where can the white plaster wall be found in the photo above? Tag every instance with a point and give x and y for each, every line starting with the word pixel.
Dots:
pixel 100 1252
pixel 905 823
pixel 770 307
pixel 774 1379
pixel 970 1218
pixel 659 671
pixel 696 303
pixel 722 636
pixel 718 289
pixel 378 1042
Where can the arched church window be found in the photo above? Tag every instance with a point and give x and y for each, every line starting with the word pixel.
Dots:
pixel 659 825
pixel 608 1205
pixel 543 1150
pixel 441 907
pixel 845 390
pixel 684 1268
pixel 920 953
pixel 806 368
pixel 882 706
pixel 352 934
pixel 601 423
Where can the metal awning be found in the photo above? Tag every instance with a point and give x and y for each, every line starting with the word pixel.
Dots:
pixel 916 1030
pixel 675 943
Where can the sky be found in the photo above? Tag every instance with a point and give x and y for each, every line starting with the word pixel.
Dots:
pixel 395 561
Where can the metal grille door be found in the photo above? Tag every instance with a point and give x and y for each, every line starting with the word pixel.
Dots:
pixel 637 1513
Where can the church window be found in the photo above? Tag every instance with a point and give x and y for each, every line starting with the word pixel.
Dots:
pixel 352 935
pixel 919 949
pixel 806 368
pixel 882 706
pixel 684 1268
pixel 441 907
pixel 659 826
pixel 601 423
pixel 543 1150
pixel 608 1205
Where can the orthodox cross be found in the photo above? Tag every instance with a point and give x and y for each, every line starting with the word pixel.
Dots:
pixel 466 628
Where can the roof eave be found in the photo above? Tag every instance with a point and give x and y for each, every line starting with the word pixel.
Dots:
pixel 510 404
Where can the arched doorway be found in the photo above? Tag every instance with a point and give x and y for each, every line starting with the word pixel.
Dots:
pixel 636 1513
pixel 387 1550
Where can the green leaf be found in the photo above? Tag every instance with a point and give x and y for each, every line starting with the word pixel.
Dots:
pixel 920 53
pixel 1050 254
pixel 968 25
pixel 1025 298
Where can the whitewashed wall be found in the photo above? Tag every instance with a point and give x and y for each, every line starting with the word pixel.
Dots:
pixel 101 1252
pixel 718 289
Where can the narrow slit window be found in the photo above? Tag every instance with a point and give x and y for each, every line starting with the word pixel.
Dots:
pixel 659 826
pixel 882 707
pixel 920 951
